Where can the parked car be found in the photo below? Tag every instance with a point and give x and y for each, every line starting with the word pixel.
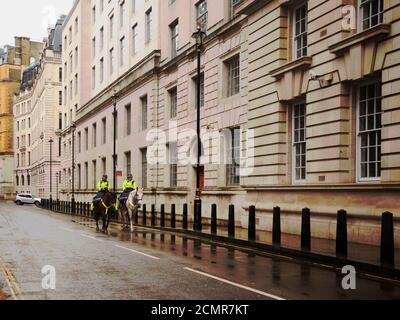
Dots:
pixel 22 199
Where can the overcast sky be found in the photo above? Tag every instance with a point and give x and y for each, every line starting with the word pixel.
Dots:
pixel 29 18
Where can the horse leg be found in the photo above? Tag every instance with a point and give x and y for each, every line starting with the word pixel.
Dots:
pixel 105 223
pixel 97 218
pixel 124 214
pixel 121 214
pixel 131 218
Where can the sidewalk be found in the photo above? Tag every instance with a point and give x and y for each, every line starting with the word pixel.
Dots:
pixel 356 251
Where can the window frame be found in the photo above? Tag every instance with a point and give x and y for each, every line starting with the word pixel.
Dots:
pixel 360 20
pixel 294 143
pixel 202 17
pixel 233 179
pixel 360 179
pixel 202 91
pixel 173 164
pixel 293 40
pixel 144 167
pixel 148 25
pixel 174 40
pixel 173 102
pixel 231 85
pixel 144 100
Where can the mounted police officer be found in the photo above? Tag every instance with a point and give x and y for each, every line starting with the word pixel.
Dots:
pixel 128 186
pixel 102 187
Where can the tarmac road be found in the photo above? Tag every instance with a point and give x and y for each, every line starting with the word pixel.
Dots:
pixel 152 265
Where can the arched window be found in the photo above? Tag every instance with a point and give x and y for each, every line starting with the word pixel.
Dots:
pixel 17 180
pixel 28 180
pixel 22 180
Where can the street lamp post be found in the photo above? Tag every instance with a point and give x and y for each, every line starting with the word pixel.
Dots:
pixel 115 100
pixel 73 128
pixel 57 185
pixel 199 36
pixel 51 171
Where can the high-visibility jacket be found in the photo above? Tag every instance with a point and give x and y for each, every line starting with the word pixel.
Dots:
pixel 103 185
pixel 129 185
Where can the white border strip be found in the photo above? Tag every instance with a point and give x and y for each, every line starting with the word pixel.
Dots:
pixel 237 285
pixel 138 252
pixel 66 229
pixel 89 237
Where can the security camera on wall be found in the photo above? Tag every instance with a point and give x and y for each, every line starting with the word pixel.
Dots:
pixel 313 75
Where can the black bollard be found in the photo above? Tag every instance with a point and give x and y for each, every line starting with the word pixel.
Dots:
pixel 387 239
pixel 197 223
pixel 306 229
pixel 153 215
pixel 185 217
pixel 135 217
pixel 214 219
pixel 144 214
pixel 252 223
pixel 162 222
pixel 231 222
pixel 173 216
pixel 276 227
pixel 341 234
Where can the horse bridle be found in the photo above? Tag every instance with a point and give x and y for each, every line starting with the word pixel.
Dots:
pixel 137 199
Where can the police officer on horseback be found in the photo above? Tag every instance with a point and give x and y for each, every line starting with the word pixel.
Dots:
pixel 128 186
pixel 102 187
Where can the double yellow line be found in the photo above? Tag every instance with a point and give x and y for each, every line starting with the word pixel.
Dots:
pixel 11 281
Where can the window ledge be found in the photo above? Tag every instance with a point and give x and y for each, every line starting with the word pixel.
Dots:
pixel 374 33
pixel 249 6
pixel 301 63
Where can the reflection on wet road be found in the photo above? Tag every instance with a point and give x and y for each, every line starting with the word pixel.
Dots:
pixel 149 264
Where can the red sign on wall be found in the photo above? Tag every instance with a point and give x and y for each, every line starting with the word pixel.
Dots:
pixel 119 171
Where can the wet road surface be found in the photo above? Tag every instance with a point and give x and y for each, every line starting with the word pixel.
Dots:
pixel 150 264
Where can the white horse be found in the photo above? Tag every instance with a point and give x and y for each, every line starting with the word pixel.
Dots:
pixel 134 202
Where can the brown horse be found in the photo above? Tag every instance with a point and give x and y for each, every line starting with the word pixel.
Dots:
pixel 102 210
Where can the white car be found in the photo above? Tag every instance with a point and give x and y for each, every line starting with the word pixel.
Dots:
pixel 22 199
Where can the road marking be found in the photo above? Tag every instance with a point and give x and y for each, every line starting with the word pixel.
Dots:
pixel 237 285
pixel 66 229
pixel 138 252
pixel 90 237
pixel 11 281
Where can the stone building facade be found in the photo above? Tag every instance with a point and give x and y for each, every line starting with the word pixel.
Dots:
pixel 312 87
pixel 124 39
pixel 76 89
pixel 12 59
pixel 36 109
